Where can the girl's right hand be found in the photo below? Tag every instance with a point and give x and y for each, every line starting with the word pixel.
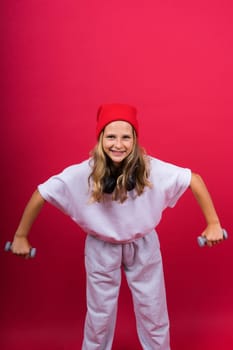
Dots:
pixel 21 246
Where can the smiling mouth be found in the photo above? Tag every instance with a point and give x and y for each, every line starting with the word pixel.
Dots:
pixel 120 153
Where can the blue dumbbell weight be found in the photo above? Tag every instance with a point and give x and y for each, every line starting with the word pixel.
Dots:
pixel 202 240
pixel 32 252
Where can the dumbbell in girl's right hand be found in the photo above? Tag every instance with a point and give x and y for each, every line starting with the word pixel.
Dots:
pixel 32 252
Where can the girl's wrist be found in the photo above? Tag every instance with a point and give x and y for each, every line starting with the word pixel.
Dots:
pixel 214 223
pixel 20 234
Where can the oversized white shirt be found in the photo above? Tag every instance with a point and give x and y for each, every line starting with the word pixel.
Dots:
pixel 110 220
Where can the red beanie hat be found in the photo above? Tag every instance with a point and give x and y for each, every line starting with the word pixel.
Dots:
pixel 108 113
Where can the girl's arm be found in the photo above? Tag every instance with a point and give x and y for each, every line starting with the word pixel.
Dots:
pixel 213 231
pixel 20 244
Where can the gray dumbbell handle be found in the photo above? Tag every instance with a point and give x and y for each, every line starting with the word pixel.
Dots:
pixel 202 240
pixel 32 252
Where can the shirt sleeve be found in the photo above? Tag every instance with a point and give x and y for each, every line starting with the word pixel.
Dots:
pixel 56 192
pixel 178 182
pixel 169 181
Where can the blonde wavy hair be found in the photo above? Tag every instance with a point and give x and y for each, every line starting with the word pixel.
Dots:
pixel 136 164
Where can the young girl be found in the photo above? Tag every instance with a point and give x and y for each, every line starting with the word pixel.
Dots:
pixel 117 197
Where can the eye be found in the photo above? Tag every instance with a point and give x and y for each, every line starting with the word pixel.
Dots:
pixel 110 137
pixel 126 137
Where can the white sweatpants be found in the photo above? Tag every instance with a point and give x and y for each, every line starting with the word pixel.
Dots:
pixel 141 261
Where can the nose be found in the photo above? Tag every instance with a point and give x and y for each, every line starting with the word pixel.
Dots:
pixel 118 143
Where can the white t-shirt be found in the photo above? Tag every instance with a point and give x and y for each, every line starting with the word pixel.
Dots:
pixel 110 220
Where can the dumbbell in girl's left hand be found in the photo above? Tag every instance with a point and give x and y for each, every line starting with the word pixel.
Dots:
pixel 202 241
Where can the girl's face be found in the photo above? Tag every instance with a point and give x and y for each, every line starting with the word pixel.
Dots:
pixel 118 141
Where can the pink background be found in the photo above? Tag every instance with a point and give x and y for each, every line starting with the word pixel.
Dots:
pixel 60 61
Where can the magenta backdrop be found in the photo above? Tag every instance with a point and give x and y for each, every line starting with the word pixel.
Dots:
pixel 60 61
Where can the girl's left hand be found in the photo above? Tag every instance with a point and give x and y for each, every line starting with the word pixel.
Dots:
pixel 213 234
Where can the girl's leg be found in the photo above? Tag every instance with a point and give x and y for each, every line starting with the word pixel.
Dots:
pixel 144 273
pixel 103 267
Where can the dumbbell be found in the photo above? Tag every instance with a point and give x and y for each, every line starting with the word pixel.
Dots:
pixel 32 252
pixel 202 240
